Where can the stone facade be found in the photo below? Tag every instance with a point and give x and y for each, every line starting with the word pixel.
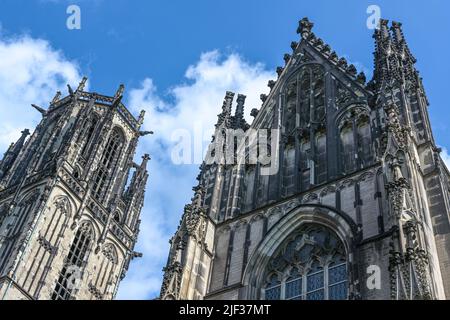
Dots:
pixel 361 192
pixel 68 218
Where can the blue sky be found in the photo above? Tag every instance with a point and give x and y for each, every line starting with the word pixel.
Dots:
pixel 176 59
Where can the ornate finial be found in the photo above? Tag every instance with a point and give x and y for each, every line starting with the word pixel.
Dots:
pixel 286 58
pixel 25 132
pixel 294 45
pixel 352 70
pixel 280 71
pixel 56 97
pixel 225 115
pixel 326 49
pixel 82 84
pixel 145 160
pixel 119 91
pixel 334 57
pixel 304 28
pixel 383 31
pixel 342 62
pixel 263 97
pixel 271 84
pixel 198 196
pixel 141 117
pixel 254 112
pixel 361 78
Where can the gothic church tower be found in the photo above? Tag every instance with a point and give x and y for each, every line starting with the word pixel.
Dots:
pixel 69 215
pixel 360 189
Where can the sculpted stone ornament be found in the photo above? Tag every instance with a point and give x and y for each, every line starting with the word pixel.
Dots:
pixel 305 28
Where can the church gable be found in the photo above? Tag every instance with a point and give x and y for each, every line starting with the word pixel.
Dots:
pixel 344 87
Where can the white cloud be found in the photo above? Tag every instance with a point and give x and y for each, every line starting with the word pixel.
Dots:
pixel 197 101
pixel 31 71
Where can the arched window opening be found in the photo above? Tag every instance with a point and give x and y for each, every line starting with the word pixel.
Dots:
pixel 305 97
pixel 78 254
pixel 289 171
pixel 355 141
pixel 311 265
pixel 364 142
pixel 319 97
pixel 110 156
pixel 89 133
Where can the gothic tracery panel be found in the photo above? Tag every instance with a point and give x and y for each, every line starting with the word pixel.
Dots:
pixel 310 265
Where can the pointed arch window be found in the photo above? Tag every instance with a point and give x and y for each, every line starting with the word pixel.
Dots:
pixel 364 141
pixel 348 152
pixel 88 133
pixel 355 141
pixel 312 265
pixel 74 263
pixel 109 158
pixel 305 96
pixel 321 158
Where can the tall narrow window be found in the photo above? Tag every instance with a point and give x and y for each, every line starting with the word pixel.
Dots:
pixel 87 134
pixel 78 254
pixel 305 97
pixel 348 152
pixel 289 174
pixel 321 158
pixel 110 156
pixel 319 96
pixel 364 142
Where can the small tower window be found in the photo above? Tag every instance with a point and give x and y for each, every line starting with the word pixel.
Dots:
pixel 87 134
pixel 106 166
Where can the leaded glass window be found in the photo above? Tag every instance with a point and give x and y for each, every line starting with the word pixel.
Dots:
pixel 311 265
pixel 273 288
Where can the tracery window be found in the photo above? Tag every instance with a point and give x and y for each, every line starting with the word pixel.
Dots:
pixel 110 156
pixel 348 151
pixel 355 141
pixel 87 134
pixel 311 265
pixel 78 254
pixel 364 141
